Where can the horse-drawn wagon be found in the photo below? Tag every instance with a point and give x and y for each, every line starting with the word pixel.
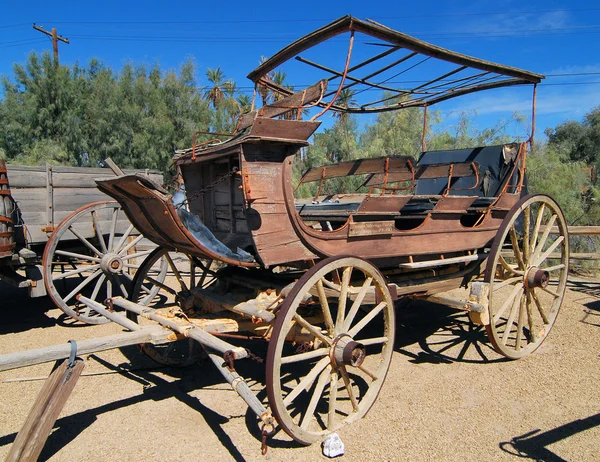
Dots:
pixel 239 256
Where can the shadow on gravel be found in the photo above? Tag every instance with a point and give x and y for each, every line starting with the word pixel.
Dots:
pixel 534 445
pixel 591 288
pixel 155 388
pixel 588 287
pixel 444 335
pixel 21 313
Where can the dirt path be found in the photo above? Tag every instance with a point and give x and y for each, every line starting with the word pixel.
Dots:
pixel 448 396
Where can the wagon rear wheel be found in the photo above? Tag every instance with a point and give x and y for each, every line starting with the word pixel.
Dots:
pixel 331 372
pixel 91 252
pixel 527 275
pixel 164 282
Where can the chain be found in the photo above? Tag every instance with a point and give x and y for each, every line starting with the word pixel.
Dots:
pixel 207 188
pixel 254 357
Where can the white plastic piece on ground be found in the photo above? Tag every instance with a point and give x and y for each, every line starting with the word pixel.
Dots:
pixel 333 446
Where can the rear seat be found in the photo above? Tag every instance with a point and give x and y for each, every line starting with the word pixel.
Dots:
pixel 494 165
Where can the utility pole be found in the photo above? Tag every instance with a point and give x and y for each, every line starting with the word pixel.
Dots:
pixel 55 39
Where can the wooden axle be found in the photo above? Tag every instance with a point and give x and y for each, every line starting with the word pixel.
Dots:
pixel 186 329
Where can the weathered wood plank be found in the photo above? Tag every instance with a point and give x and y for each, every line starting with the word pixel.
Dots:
pixel 56 390
pixel 52 353
pixel 286 104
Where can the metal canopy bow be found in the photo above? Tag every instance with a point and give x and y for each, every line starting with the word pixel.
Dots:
pixel 443 74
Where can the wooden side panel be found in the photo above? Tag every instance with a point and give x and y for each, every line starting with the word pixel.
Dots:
pixel 45 198
pixel 274 236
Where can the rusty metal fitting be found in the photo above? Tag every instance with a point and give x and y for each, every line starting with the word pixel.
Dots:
pixel 346 352
pixel 537 278
pixel 267 430
pixel 229 358
pixel 108 303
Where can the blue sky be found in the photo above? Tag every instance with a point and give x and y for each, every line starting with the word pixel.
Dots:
pixel 557 38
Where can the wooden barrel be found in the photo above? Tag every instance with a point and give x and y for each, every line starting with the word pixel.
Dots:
pixel 7 208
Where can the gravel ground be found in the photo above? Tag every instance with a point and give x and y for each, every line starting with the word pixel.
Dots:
pixel 448 395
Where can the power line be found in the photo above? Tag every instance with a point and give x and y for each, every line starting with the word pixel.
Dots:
pixel 23 42
pixel 297 20
pixel 14 25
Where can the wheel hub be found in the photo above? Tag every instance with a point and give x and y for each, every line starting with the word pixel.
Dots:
pixel 346 352
pixel 111 263
pixel 536 277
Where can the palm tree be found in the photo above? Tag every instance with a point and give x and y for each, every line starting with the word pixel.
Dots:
pixel 215 94
pixel 230 103
pixel 345 99
pixel 244 103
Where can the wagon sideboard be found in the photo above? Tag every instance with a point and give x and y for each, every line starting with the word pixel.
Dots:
pixel 45 195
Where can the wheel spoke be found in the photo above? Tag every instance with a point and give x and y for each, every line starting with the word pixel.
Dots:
pixel 136 255
pixel 307 381
pixel 509 267
pixel 357 302
pixel 304 356
pixel 367 371
pixel 551 292
pixel 312 329
pixel 97 287
pixel 124 237
pixel 367 319
pixel 133 243
pixel 374 341
pixel 98 231
pixel 314 400
pixel 122 288
pixel 511 320
pixel 511 298
pixel 109 290
pixel 74 272
pixel 540 307
pixel 80 256
pixel 161 285
pixel 205 271
pixel 550 249
pixel 538 224
pixel 113 229
pixel 555 267
pixel 83 283
pixel 515 245
pixel 333 381
pixel 325 307
pixel 520 322
pixel 184 287
pixel 84 241
pixel 507 282
pixel 348 385
pixel 343 299
pixel 544 237
pixel 526 224
pixel 530 320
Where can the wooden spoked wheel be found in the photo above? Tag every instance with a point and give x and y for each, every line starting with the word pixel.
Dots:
pixel 91 252
pixel 164 282
pixel 331 372
pixel 527 275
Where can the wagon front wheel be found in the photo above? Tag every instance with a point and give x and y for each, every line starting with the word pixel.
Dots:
pixel 164 282
pixel 527 275
pixel 331 348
